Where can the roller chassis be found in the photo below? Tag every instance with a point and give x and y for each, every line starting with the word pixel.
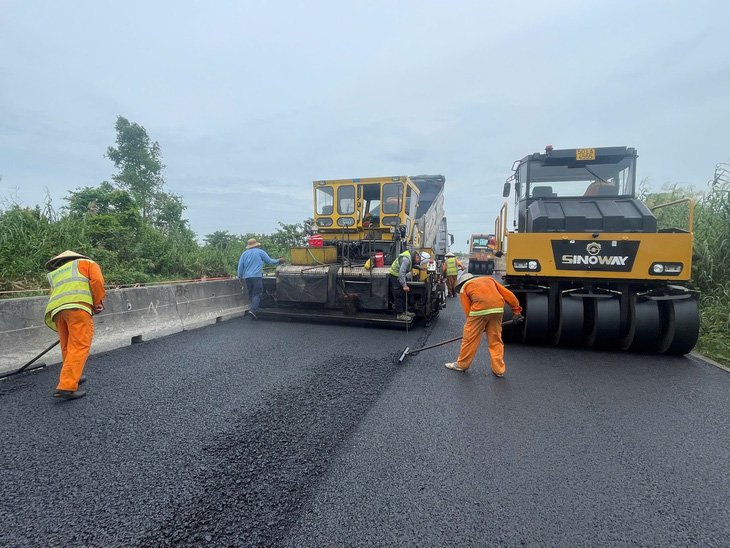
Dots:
pixel 650 317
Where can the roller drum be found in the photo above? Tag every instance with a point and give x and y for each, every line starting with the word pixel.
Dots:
pixel 603 320
pixel 683 326
pixel 569 331
pixel 537 322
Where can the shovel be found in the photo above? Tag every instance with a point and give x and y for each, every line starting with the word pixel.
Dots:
pixel 409 352
pixel 6 375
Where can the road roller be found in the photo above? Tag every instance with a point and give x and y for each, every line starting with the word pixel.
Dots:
pixel 587 259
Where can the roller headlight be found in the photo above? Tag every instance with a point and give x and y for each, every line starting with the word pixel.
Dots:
pixel 526 265
pixel 665 269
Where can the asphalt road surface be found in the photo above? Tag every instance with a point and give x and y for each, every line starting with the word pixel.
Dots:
pixel 251 433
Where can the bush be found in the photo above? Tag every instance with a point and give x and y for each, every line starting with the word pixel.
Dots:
pixel 711 258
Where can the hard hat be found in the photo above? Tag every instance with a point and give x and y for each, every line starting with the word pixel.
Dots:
pixel 62 258
pixel 464 278
pixel 425 256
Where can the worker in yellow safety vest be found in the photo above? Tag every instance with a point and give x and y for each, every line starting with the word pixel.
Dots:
pixel 77 292
pixel 399 270
pixel 451 268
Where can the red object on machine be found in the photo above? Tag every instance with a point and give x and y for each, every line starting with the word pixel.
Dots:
pixel 315 241
pixel 379 259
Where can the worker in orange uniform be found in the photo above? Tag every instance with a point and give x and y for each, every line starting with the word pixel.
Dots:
pixel 77 292
pixel 451 268
pixel 483 300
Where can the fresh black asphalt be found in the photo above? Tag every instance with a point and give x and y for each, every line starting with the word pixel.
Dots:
pixel 250 433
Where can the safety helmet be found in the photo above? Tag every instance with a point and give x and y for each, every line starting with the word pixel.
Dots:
pixel 425 256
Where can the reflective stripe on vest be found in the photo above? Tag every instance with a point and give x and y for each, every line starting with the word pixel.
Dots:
pixel 395 267
pixel 68 289
pixel 485 312
pixel 451 267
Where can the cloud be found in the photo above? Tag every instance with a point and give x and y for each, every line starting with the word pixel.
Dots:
pixel 252 101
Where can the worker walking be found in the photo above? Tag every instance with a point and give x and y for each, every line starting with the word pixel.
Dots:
pixel 483 302
pixel 251 269
pixel 400 268
pixel 77 292
pixel 451 268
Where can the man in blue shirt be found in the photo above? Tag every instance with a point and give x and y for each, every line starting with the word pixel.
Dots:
pixel 251 268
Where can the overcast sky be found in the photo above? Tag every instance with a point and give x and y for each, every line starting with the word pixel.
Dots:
pixel 252 101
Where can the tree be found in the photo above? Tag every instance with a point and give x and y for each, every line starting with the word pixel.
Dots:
pixel 168 212
pixel 105 199
pixel 139 162
pixel 220 239
pixel 289 235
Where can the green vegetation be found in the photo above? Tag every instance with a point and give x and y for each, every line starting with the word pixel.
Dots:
pixel 711 261
pixel 136 231
pixel 130 226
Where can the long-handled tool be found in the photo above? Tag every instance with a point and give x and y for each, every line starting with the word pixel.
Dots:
pixel 30 362
pixel 408 352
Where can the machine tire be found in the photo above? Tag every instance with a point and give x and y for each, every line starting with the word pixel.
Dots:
pixel 537 322
pixel 510 333
pixel 645 327
pixel 569 331
pixel 683 327
pixel 603 318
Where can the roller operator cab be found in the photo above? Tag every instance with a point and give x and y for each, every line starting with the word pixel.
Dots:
pixel 586 259
pixel 359 228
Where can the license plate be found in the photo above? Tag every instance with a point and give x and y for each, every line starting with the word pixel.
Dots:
pixel 582 154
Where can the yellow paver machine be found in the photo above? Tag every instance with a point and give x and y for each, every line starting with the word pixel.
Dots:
pixel 360 227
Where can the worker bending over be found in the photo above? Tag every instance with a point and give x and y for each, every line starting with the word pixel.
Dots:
pixel 399 270
pixel 483 302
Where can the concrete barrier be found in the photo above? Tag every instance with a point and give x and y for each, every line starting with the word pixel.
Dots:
pixel 130 315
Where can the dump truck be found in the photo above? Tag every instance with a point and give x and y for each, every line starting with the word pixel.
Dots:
pixel 360 226
pixel 587 260
pixel 481 254
pixel 430 219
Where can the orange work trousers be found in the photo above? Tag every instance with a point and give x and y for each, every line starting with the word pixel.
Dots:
pixel 75 331
pixel 450 284
pixel 473 329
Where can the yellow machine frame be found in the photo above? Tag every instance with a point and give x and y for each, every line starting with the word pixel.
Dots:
pixel 660 247
pixel 352 201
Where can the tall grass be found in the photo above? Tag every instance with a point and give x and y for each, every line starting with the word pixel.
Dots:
pixel 712 268
pixel 28 238
pixel 711 255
